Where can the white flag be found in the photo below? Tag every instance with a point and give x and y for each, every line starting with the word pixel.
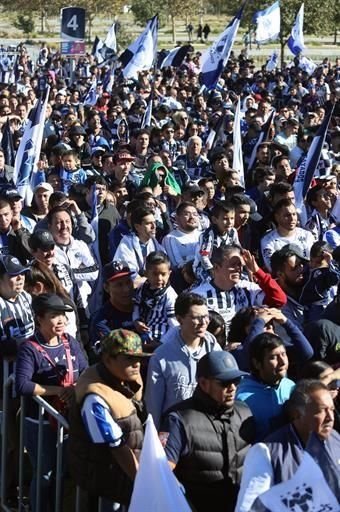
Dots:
pixel 268 24
pixel 307 65
pixel 142 52
pixel 273 61
pixel 306 490
pixel 296 42
pixel 156 488
pixel 238 155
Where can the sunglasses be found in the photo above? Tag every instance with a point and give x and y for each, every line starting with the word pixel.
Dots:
pixel 334 385
pixel 227 383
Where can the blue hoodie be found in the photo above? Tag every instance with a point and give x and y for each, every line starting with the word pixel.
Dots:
pixel 172 372
pixel 265 402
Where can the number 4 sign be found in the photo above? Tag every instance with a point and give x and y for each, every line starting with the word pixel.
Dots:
pixel 72 24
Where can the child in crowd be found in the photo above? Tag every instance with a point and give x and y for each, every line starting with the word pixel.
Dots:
pixel 321 220
pixel 221 231
pixel 154 302
pixel 321 285
pixel 71 173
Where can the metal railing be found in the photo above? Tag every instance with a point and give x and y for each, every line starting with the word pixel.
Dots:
pixel 62 425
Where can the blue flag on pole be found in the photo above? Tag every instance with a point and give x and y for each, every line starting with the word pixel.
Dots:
pixel 146 121
pixel 237 139
pixel 26 174
pixel 141 54
pixel 91 95
pixel 308 166
pixel 216 57
pixel 175 57
pixel 296 42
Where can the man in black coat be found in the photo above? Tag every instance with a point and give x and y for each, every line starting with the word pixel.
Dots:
pixel 207 436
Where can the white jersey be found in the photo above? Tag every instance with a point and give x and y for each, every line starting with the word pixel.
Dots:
pixel 181 247
pixel 273 242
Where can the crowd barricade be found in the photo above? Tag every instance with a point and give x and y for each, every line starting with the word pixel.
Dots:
pixel 62 425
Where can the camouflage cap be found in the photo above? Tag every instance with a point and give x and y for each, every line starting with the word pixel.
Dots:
pixel 122 341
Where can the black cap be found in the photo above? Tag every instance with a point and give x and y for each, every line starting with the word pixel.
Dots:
pixel 193 189
pixel 219 365
pixel 11 265
pixel 11 193
pixel 285 252
pixel 41 239
pixel 77 130
pixel 116 269
pixel 49 302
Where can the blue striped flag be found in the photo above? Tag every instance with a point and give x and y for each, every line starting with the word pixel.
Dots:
pixel 216 57
pixel 91 95
pixel 237 139
pixel 26 174
pixel 296 42
pixel 175 57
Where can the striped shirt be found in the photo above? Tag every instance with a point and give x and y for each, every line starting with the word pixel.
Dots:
pixel 99 423
pixel 16 318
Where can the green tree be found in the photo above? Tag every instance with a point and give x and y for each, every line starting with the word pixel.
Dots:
pixel 25 23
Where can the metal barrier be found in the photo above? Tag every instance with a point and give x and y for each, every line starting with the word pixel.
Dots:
pixel 62 424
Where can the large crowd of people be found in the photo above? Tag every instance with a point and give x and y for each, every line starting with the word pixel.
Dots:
pixel 200 295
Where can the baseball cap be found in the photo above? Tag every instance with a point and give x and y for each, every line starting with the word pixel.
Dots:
pixel 77 130
pixel 115 269
pixel 219 365
pixel 96 150
pixel 49 302
pixel 123 156
pixel 285 252
pixel 193 189
pixel 11 193
pixel 41 239
pixel 11 265
pixel 122 341
pixel 45 186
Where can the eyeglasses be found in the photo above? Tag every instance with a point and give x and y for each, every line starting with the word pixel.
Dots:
pixel 227 383
pixel 200 319
pixel 334 385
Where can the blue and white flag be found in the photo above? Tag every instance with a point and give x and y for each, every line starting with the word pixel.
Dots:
pixel 273 61
pixel 109 79
pixel 296 42
pixel 109 48
pixel 141 54
pixel 268 24
pixel 97 46
pixel 237 139
pixel 91 95
pixel 26 174
pixel 146 121
pixel 309 164
pixel 167 495
pixel 263 137
pixel 175 57
pixel 307 65
pixel 216 57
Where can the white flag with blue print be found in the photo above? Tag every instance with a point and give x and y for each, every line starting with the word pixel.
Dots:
pixel 296 42
pixel 26 174
pixel 273 61
pixel 216 57
pixel 237 138
pixel 142 52
pixel 268 24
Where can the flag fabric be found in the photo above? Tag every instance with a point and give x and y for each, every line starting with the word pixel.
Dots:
pixel 109 79
pixel 7 145
pixel 296 42
pixel 141 54
pixel 146 120
pixel 216 57
pixel 26 174
pixel 91 95
pixel 109 47
pixel 309 164
pixel 263 137
pixel 156 487
pixel 97 290
pixel 268 24
pixel 237 140
pixel 306 490
pixel 273 61
pixel 175 57
pixel 307 65
pixel 97 46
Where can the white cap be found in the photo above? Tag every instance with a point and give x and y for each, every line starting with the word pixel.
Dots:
pixel 44 186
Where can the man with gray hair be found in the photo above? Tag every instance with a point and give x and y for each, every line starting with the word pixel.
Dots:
pixel 311 412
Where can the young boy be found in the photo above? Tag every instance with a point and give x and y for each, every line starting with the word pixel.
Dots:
pixel 321 285
pixel 221 231
pixel 321 219
pixel 154 302
pixel 70 173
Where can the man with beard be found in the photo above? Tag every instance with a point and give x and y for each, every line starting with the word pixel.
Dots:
pixel 288 270
pixel 208 435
